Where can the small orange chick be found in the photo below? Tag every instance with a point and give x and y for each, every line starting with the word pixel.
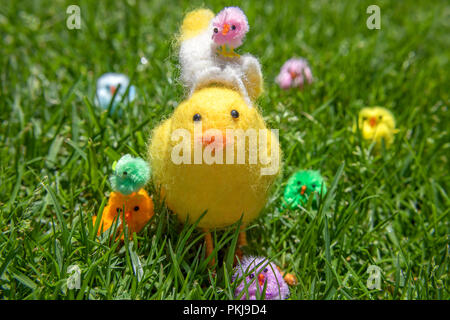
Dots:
pixel 138 208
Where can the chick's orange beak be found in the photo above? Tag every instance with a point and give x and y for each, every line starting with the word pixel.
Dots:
pixel 226 28
pixel 112 89
pixel 302 190
pixel 208 139
pixel 373 121
pixel 261 279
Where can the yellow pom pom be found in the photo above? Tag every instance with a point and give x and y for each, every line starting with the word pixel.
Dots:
pixel 376 124
pixel 226 191
pixel 195 22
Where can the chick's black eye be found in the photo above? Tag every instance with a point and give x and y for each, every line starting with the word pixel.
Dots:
pixel 265 270
pixel 299 183
pixel 118 210
pixel 314 186
pixel 252 276
pixel 136 208
pixel 216 30
pixel 235 114
pixel 233 27
pixel 125 173
pixel 197 117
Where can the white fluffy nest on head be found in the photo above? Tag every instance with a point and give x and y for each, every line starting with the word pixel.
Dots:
pixel 202 66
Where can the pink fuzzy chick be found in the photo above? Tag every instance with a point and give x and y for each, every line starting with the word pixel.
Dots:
pixel 229 28
pixel 255 273
pixel 293 74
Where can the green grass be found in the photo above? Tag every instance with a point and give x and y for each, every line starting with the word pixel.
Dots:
pixel 56 150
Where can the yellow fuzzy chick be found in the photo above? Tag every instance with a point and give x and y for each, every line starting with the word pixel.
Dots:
pixel 377 123
pixel 138 208
pixel 225 191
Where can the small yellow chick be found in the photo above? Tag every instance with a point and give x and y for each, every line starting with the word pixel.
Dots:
pixel 377 123
pixel 138 208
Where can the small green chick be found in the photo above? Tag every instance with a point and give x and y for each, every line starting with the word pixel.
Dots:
pixel 300 186
pixel 130 175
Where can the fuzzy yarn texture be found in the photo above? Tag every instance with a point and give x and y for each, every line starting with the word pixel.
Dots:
pixel 229 27
pixel 377 124
pixel 253 273
pixel 130 175
pixel 294 73
pixel 108 84
pixel 225 191
pixel 136 208
pixel 201 65
pixel 302 185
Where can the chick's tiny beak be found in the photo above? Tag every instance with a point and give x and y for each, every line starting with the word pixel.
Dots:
pixel 302 190
pixel 112 89
pixel 373 121
pixel 127 215
pixel 209 139
pixel 226 28
pixel 261 279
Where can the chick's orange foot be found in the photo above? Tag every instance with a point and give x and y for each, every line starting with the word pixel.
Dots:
pixel 209 248
pixel 241 243
pixel 227 53
pixel 290 278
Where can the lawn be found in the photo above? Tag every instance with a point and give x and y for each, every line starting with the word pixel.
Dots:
pixel 387 209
